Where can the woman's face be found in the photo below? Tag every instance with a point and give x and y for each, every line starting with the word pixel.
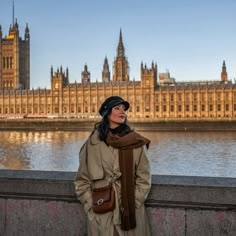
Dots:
pixel 118 116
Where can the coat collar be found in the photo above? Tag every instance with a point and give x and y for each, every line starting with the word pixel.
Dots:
pixel 94 138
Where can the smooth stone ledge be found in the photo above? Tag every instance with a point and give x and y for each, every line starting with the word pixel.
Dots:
pixel 174 191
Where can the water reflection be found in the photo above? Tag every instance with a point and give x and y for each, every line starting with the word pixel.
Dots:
pixel 171 153
pixel 193 153
pixel 40 150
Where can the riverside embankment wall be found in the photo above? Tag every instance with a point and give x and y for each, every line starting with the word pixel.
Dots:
pixel 144 125
pixel 44 203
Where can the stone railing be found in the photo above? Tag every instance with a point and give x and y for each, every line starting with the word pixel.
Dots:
pixel 44 203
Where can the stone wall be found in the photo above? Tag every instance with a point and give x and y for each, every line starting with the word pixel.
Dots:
pixel 44 203
pixel 142 125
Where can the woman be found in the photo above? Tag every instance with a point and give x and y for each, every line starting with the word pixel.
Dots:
pixel 115 155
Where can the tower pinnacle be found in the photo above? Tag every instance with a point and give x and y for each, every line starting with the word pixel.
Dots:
pixel 224 75
pixel 120 48
pixel 13 13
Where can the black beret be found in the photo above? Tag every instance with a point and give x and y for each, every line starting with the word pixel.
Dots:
pixel 111 102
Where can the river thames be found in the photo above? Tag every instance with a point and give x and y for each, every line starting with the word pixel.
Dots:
pixel 171 153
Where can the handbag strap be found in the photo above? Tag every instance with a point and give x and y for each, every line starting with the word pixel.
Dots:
pixel 109 184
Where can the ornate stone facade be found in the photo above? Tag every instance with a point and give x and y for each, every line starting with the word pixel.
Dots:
pixel 151 98
pixel 15 59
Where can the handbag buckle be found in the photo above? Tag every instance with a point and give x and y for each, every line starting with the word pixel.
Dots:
pixel 100 201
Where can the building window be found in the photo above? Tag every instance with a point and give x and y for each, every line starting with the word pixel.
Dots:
pixel 218 107
pixel 187 97
pixel 11 63
pixel 179 97
pixel 157 108
pixel 72 109
pixel 202 97
pixel 211 107
pixel 137 109
pixel 227 96
pixel 93 100
pixel 86 109
pixel 172 108
pixel 194 107
pixel 227 107
pixel 187 107
pixel 164 97
pixel 171 97
pixel 179 108
pixel 195 97
pixel 203 107
pixel 218 96
pixel 164 108
pixel 147 108
pixel 41 109
pixel 234 107
pixel 157 98
pixel 210 97
pixel 79 109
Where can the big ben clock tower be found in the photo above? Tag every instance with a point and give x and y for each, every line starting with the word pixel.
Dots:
pixel 15 58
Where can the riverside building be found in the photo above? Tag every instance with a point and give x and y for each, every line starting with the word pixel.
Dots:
pixel 156 96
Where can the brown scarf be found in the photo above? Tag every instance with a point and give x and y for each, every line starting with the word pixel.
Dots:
pixel 125 144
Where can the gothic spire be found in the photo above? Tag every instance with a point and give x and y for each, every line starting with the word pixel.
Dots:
pixel 224 75
pixel 105 71
pixel 224 64
pixel 13 13
pixel 105 60
pixel 27 34
pixel 120 48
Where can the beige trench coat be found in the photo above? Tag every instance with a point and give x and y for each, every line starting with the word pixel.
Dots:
pixel 101 166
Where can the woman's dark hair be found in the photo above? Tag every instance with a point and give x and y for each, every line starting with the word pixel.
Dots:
pixel 103 127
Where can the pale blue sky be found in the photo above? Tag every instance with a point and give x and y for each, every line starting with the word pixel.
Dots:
pixel 190 38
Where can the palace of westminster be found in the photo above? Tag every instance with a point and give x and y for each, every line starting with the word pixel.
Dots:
pixel 156 96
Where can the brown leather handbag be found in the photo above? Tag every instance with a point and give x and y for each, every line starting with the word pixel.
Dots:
pixel 103 199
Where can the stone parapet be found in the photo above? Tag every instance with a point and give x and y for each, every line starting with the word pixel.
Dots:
pixel 44 203
pixel 140 125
